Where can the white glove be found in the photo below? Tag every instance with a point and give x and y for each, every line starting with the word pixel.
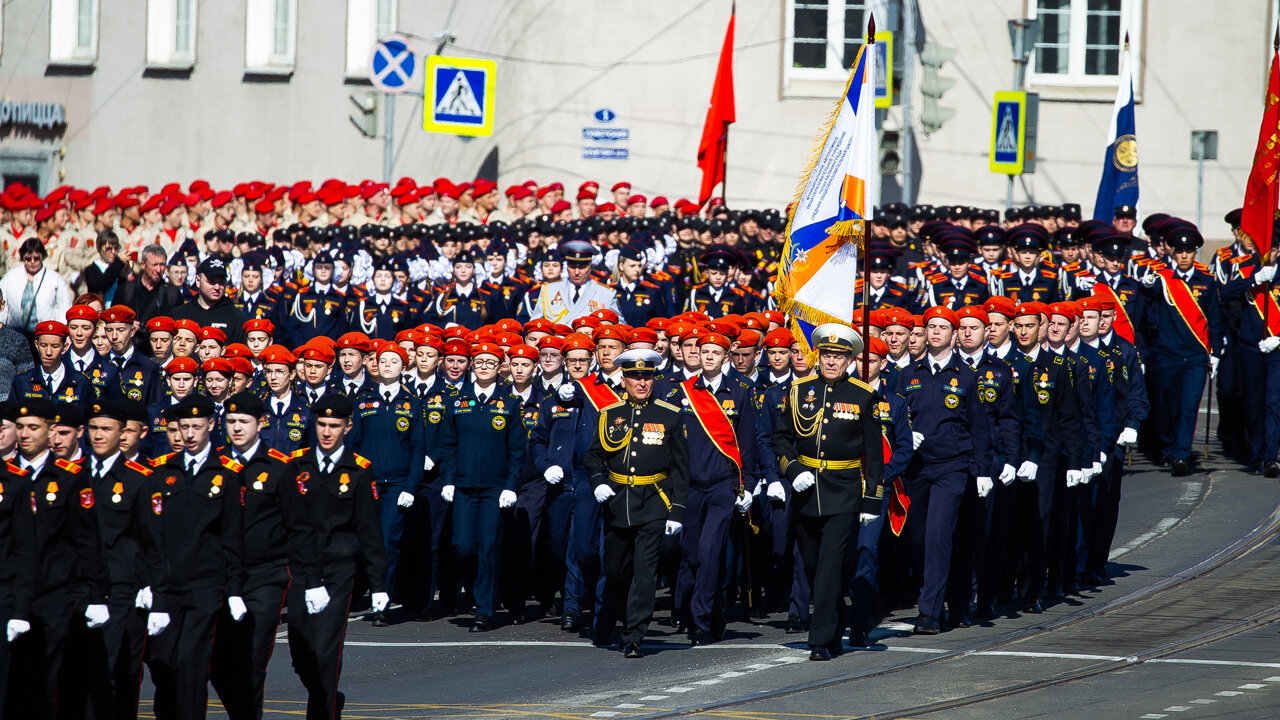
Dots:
pixel 96 615
pixel 1149 279
pixel 1074 477
pixel 235 605
pixel 1128 437
pixel 803 481
pixel 759 488
pixel 427 462
pixel 743 502
pixel 566 390
pixel 1093 472
pixel 317 599
pixel 143 599
pixel 1269 344
pixel 16 628
pixel 1027 471
pixel 867 518
pixel 1213 366
pixel 379 601
pixel 553 475
pixel 1085 282
pixel 776 491
pixel 157 622
pixel 984 486
pixel 1264 275
pixel 603 492
pixel 446 492
pixel 506 499
pixel 405 499
pixel 673 527
pixel 1008 474
pixel 1102 459
pixel 916 439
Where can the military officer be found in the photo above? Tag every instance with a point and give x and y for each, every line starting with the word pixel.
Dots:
pixel 1027 279
pixel 638 467
pixel 463 302
pixel 381 314
pixel 319 308
pixel 961 284
pixel 716 297
pixel 576 295
pixel 639 300
pixel 829 446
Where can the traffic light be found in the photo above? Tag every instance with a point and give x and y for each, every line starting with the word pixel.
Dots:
pixel 933 115
pixel 890 154
pixel 366 121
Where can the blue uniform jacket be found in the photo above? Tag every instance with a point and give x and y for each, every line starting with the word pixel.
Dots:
pixel 103 375
pixel 140 379
pixel 1170 335
pixel 946 409
pixel 894 414
pixel 1131 404
pixel 75 387
pixel 995 385
pixel 707 465
pixel 291 430
pixel 1050 407
pixel 483 444
pixel 1099 367
pixel 392 435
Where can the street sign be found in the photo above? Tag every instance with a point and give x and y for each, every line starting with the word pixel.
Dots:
pixel 605 153
pixel 459 95
pixel 392 64
pixel 884 69
pixel 1008 132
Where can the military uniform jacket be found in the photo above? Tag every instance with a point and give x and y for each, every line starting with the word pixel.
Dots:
pixel 707 465
pixel 378 320
pixel 946 409
pixel 100 371
pixel 267 477
pixel 314 312
pixel 895 418
pixel 703 299
pixel 125 499
pixel 15 528
pixel 1050 407
pixel 996 389
pixel 943 290
pixel 201 529
pixel 643 302
pixel 832 423
pixel 482 444
pixel 140 378
pixel 640 441
pixel 391 432
pixel 339 512
pixel 286 431
pixel 1169 333
pixel 66 549
pixel 555 301
pixel 75 387
pixel 1042 288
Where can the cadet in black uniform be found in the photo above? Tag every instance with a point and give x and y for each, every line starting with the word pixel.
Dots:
pixel 638 465
pixel 336 498
pixel 829 445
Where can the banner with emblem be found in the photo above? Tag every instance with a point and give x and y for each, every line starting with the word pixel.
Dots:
pixel 1119 183
pixel 827 222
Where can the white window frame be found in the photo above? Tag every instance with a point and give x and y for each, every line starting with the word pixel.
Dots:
pixel 1075 84
pixel 65 47
pixel 260 53
pixel 163 34
pixel 829 81
pixel 365 26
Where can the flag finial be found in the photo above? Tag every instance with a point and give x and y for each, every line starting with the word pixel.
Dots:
pixel 1275 44
pixel 1126 40
pixel 871 29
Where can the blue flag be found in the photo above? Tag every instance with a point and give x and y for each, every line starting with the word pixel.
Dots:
pixel 1119 183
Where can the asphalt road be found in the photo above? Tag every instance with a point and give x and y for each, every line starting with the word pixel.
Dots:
pixel 439 670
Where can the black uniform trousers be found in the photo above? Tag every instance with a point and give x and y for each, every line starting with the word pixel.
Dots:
pixel 477 537
pixel 631 577
pixel 823 541
pixel 182 652
pixel 37 657
pixel 1033 515
pixel 241 650
pixel 103 669
pixel 6 614
pixel 315 642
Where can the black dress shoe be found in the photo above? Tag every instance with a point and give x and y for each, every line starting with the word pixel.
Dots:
pixel 481 624
pixel 517 617
pixel 858 638
pixel 961 620
pixel 1034 607
pixel 338 705
pixel 632 650
pixel 569 622
pixel 1271 469
pixel 1180 468
pixel 794 624
pixel 380 619
pixel 1090 579
pixel 820 654
pixel 698 637
pixel 984 612
pixel 926 625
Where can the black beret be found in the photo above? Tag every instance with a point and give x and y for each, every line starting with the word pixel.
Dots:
pixel 332 405
pixel 37 407
pixel 245 403
pixel 110 409
pixel 192 406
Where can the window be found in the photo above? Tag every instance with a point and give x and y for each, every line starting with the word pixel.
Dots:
pixel 271 36
pixel 367 21
pixel 823 41
pixel 1080 42
pixel 171 33
pixel 73 32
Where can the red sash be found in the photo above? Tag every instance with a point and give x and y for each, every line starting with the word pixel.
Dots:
pixel 600 394
pixel 1270 314
pixel 1184 302
pixel 898 500
pixel 714 422
pixel 1122 325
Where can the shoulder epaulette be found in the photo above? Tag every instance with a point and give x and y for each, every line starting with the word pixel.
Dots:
pixel 1201 267
pixel 920 264
pixel 806 378
pixel 67 465
pixel 1084 273
pixel 937 278
pixel 362 461
pixel 230 464
pixel 1002 274
pixel 862 385
pixel 15 469
pixel 298 453
pixel 1049 274
pixel 667 405
pixel 1224 252
pixel 276 454
pixel 1239 259
pixel 646 283
pixel 137 467
pixel 1071 267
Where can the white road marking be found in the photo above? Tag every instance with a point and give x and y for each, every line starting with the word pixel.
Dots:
pixel 1056 656
pixel 1190 493
pixel 654 698
pixel 731 674
pixel 1228 663
pixel 1228 693
pixel 1161 528
pixel 678 690
pixel 708 681
pixel 1177 708
pixel 1203 701
pixel 628 706
pixel 1252 686
pixel 604 714
pixel 1153 716
pixel 1273 678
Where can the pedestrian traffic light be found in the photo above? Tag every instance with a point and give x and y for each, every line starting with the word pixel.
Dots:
pixel 890 153
pixel 932 57
pixel 366 121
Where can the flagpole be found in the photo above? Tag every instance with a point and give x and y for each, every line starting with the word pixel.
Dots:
pixel 724 159
pixel 866 241
pixel 1266 306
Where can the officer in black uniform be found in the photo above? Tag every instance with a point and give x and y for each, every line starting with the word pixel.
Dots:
pixel 336 500
pixel 638 465
pixel 829 445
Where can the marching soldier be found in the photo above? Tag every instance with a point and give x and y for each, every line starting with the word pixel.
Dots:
pixel 637 465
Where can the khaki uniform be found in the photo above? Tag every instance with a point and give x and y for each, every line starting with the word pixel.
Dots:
pixel 11 238
pixel 71 252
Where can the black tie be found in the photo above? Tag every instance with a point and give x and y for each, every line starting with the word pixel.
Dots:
pixel 937 368
pixel 48 381
pixel 119 361
pixel 326 464
pixel 279 407
pixel 79 365
pixel 191 466
pixel 484 398
pixel 97 469
pixel 969 360
pixel 576 292
pixel 386 394
pixel 312 395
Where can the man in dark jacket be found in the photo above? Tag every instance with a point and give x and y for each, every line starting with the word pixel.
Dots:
pixel 212 307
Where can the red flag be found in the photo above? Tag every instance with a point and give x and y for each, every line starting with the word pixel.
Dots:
pixel 1260 191
pixel 721 112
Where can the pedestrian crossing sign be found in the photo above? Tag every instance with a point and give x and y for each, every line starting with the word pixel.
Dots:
pixel 1008 132
pixel 459 95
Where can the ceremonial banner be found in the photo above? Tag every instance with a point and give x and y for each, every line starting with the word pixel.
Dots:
pixel 1258 216
pixel 1119 184
pixel 721 113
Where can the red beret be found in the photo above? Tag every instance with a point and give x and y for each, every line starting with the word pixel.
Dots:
pixel 659 201
pixel 277 355
pixel 486 348
pixel 169 205
pixel 217 364
pixel 586 194
pixel 508 339
pixel 560 206
pixel 876 346
pixel 221 198
pixel 605 315
pixel 390 347
pixel 264 206
pixel 316 351
pixel 241 365
pixel 551 341
pixel 510 325
pixel 644 335
pixel 51 327
pixel 775 317
pixel 213 333
pixel 1000 305
pixel 714 338
pixel 456 346
pixel 82 312
pixel 260 325
pixel 611 332
pixel 586 321
pixel 1032 308
pixel 45 213
pixel 620 186
pixel 190 326
pixel 1065 309
pixel 749 337
pixel 637 199
pixel 181 365
pixel 118 314
pixel 409 336
pixel 236 350
pixel 898 316
pixel 539 325
pixel 159 323
pixel 456 332
pixel 778 338
pixel 939 311
pixel 659 324
pixel 606 207
pixel 578 341
pixel 1096 302
pixel 973 311
pixel 527 352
